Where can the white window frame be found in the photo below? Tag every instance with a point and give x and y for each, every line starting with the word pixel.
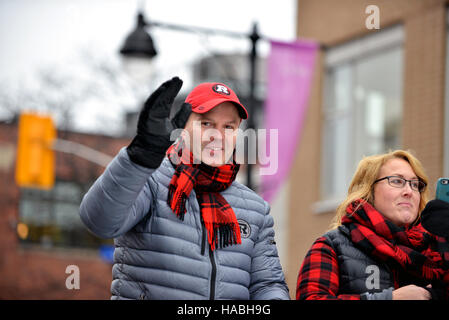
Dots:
pixel 372 44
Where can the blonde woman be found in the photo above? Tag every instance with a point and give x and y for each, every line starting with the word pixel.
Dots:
pixel 377 248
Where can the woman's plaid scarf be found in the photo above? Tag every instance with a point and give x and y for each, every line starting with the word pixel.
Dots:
pixel 410 249
pixel 218 217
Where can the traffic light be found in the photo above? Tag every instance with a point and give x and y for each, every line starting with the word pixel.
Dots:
pixel 35 157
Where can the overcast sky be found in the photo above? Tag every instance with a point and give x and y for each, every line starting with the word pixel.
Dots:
pixel 37 33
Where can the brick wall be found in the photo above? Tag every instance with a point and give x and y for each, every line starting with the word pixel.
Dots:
pixel 425 54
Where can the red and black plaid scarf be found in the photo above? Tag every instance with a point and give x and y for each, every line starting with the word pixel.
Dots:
pixel 410 249
pixel 218 217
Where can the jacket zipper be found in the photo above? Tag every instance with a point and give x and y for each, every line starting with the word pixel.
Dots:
pixel 213 275
pixel 212 261
pixel 203 240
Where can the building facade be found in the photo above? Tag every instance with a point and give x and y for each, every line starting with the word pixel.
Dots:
pixel 374 90
pixel 46 252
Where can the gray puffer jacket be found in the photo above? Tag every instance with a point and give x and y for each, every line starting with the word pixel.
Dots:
pixel 158 256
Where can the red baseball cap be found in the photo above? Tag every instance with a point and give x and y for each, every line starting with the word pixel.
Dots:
pixel 208 95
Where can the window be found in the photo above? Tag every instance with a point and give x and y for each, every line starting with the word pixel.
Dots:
pixel 51 218
pixel 362 108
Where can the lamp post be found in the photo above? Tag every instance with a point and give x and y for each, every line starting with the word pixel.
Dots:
pixel 254 37
pixel 140 44
pixel 138 50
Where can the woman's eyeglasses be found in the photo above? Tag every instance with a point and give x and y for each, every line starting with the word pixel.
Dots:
pixel 399 182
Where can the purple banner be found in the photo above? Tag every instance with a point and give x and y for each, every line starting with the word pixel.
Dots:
pixel 290 73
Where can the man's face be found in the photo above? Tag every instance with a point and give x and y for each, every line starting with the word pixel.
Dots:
pixel 212 135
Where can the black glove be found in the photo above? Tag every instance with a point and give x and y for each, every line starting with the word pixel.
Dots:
pixel 154 126
pixel 435 218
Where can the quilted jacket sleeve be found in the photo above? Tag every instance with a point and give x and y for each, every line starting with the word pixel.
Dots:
pixel 267 278
pixel 118 199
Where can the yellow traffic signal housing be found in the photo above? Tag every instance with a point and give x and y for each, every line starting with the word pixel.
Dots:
pixel 35 157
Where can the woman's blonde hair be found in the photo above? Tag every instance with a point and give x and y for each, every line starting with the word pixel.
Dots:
pixel 362 184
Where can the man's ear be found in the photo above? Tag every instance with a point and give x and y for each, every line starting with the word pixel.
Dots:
pixel 182 132
pixel 181 117
pixel 190 120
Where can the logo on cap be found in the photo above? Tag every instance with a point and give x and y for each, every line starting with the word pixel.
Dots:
pixel 219 88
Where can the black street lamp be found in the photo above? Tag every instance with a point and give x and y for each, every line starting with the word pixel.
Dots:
pixel 140 44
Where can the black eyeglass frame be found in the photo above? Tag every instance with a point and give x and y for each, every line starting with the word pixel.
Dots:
pixel 420 190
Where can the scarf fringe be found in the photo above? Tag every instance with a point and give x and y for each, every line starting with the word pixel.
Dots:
pixel 223 235
pixel 177 201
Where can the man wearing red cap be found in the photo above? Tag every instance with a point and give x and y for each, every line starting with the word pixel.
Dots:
pixel 183 228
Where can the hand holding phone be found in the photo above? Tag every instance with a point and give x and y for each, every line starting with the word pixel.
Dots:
pixel 435 216
pixel 442 192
